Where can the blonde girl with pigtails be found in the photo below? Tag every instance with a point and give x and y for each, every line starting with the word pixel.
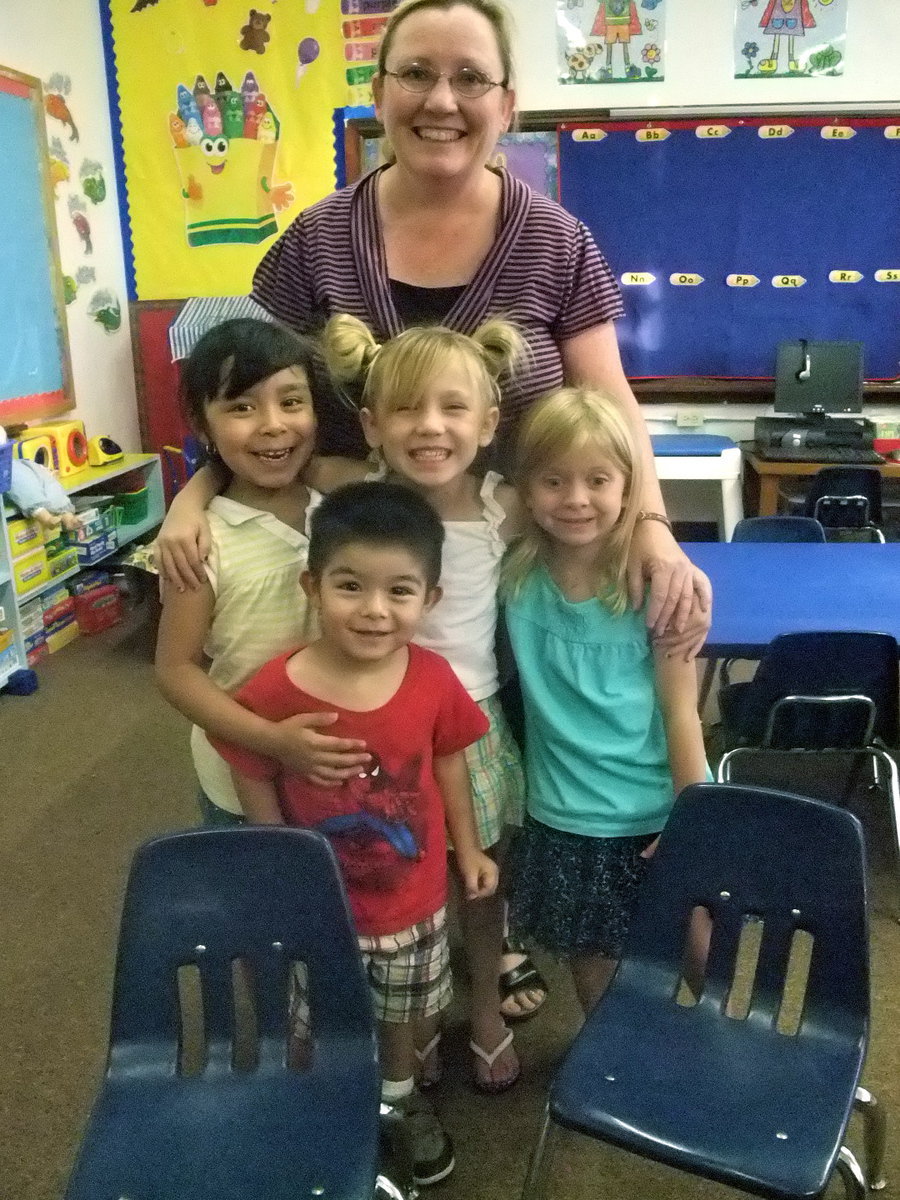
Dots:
pixel 429 404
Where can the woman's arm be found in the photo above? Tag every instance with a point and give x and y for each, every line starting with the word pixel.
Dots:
pixel 182 679
pixel 592 358
pixel 477 870
pixel 259 799
pixel 182 543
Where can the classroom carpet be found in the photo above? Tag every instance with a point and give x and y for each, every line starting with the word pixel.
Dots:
pixel 94 763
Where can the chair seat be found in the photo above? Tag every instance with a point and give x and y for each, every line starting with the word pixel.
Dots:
pixel 213 1139
pixel 724 1123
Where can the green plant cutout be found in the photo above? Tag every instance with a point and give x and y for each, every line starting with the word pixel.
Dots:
pixel 650 72
pixel 825 61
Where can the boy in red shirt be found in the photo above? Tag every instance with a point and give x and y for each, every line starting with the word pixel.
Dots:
pixel 374 563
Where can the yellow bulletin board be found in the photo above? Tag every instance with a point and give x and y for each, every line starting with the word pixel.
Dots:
pixel 226 123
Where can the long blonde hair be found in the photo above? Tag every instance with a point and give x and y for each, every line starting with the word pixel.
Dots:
pixel 567 420
pixel 402 367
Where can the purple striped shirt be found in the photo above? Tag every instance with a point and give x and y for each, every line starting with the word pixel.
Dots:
pixel 544 272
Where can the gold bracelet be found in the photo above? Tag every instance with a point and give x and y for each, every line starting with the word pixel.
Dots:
pixel 651 516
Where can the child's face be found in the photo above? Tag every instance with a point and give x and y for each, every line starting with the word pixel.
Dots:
pixel 266 436
pixel 432 438
pixel 578 498
pixel 370 600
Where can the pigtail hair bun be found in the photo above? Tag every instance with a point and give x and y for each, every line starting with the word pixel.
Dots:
pixel 502 347
pixel 349 347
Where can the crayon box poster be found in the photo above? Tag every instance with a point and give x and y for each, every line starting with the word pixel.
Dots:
pixel 227 132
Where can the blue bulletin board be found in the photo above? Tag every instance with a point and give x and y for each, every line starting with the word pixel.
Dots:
pixel 691 213
pixel 34 357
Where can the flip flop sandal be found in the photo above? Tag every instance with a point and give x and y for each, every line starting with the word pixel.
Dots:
pixel 491 1088
pixel 433 1078
pixel 522 978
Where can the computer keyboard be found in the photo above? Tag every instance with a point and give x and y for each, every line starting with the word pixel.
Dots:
pixel 846 455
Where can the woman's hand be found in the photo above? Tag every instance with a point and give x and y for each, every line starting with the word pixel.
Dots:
pixel 181 548
pixel 679 608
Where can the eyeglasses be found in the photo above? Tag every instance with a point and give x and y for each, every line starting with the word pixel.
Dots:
pixel 467 83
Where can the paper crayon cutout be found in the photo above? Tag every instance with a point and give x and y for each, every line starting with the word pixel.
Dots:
pixel 227 176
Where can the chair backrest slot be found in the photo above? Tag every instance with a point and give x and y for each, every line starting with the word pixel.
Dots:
pixel 740 993
pixel 192 1037
pixel 790 1014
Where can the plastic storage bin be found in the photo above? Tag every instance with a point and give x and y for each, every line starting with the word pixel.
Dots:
pixel 132 507
pixel 98 609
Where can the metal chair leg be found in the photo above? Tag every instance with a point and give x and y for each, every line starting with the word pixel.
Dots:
pixel 541 1158
pixel 893 791
pixel 874 1137
pixel 851 1175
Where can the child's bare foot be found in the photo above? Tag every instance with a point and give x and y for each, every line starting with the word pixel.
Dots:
pixel 495 1064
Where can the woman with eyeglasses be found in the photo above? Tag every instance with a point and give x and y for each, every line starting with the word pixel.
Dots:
pixel 438 236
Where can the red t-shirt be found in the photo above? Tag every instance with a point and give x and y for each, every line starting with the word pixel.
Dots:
pixel 387 823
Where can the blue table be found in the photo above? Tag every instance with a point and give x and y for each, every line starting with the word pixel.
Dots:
pixel 762 589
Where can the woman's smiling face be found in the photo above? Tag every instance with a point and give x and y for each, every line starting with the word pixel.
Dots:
pixel 436 132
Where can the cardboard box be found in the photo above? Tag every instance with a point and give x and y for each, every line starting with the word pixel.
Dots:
pixel 30 571
pixel 97 548
pixel 67 561
pixel 59 614
pixel 34 641
pixel 86 581
pixel 24 535
pixel 93 527
pixel 62 636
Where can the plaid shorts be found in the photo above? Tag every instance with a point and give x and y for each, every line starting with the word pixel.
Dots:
pixel 496 776
pixel 408 973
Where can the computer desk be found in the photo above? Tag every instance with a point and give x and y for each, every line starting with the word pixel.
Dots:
pixel 763 476
pixel 763 589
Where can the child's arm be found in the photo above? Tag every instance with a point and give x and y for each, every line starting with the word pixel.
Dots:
pixel 477 870
pixel 182 543
pixel 259 799
pixel 676 687
pixel 182 679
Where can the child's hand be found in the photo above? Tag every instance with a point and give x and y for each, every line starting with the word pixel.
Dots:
pixel 181 548
pixel 479 875
pixel 322 759
pixel 649 851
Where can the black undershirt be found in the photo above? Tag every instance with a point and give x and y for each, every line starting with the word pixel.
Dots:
pixel 423 305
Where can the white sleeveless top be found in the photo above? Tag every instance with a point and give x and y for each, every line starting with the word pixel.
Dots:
pixel 463 623
pixel 254 569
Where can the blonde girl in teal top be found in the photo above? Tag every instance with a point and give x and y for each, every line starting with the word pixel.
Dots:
pixel 612 728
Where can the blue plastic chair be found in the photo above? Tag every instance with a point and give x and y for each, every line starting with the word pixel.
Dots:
pixel 778 529
pixel 818 695
pixel 763 529
pixel 258 1129
pixel 729 1096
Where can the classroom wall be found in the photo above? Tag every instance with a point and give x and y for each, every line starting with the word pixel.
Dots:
pixel 699 76
pixel 699 64
pixel 63 36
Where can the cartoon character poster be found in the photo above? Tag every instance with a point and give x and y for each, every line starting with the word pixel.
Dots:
pixel 777 39
pixel 610 41
pixel 226 115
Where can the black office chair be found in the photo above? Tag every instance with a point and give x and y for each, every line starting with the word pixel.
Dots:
pixel 817 695
pixel 752 1085
pixel 778 529
pixel 234 1118
pixel 847 502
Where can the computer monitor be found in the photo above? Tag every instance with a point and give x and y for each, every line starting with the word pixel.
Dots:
pixel 819 377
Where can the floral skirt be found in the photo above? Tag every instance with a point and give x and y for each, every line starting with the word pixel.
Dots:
pixel 572 894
